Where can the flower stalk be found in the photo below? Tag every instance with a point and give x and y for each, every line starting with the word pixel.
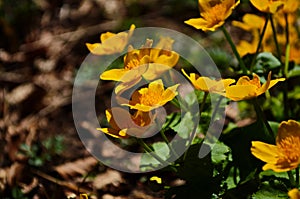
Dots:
pixel 275 36
pixel 233 47
pixel 260 115
pixel 261 37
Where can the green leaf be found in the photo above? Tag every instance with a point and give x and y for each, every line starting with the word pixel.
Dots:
pixel 294 72
pixel 239 140
pixel 219 152
pixel 171 121
pixel 272 173
pixel 185 127
pixel 148 162
pixel 194 169
pixel 162 150
pixel 267 192
pixel 265 61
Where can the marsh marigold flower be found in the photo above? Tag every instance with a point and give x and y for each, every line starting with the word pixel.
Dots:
pixel 126 124
pixel 147 62
pixel 208 85
pixel 213 14
pixel 247 88
pixel 285 155
pixel 111 43
pixel 268 6
pixel 290 6
pixel 294 193
pixel 147 99
pixel 252 24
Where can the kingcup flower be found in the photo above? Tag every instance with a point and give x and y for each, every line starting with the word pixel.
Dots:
pixel 290 6
pixel 213 14
pixel 252 24
pixel 126 124
pixel 155 96
pixel 285 155
pixel 294 193
pixel 247 88
pixel 147 62
pixel 208 85
pixel 268 6
pixel 111 43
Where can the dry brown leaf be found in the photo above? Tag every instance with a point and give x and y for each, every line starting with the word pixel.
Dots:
pixel 109 177
pixel 3 179
pixel 14 173
pixel 79 167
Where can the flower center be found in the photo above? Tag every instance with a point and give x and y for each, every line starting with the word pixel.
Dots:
pixel 150 98
pixel 215 14
pixel 132 64
pixel 141 118
pixel 290 148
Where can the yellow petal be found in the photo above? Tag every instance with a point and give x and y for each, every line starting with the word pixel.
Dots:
pixel 105 36
pixel 240 92
pixel 157 179
pixel 155 70
pixel 265 152
pixel 198 23
pixel 169 94
pixel 268 6
pixel 204 5
pixel 157 86
pixel 269 84
pixel 113 74
pixel 294 193
pixel 168 60
pixel 112 132
pixel 287 129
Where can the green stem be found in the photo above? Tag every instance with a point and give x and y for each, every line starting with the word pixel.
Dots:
pixel 286 68
pixel 233 47
pixel 259 43
pixel 151 152
pixel 162 133
pixel 203 103
pixel 216 108
pixel 275 36
pixel 260 114
pixel 297 176
pixel 200 112
pixel 292 179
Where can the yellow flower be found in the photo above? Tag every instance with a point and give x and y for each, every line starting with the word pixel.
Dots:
pixel 213 14
pixel 111 43
pixel 147 99
pixel 208 85
pixel 126 124
pixel 252 24
pixel 269 6
pixel 295 53
pixel 147 62
pixel 158 180
pixel 290 6
pixel 247 89
pixel 294 193
pixel 285 155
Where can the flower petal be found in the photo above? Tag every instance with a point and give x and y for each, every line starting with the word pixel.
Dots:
pixel 198 23
pixel 287 129
pixel 265 152
pixel 113 74
pixel 240 92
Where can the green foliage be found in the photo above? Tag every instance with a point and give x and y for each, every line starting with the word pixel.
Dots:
pixel 39 154
pixel 265 62
pixel 17 193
